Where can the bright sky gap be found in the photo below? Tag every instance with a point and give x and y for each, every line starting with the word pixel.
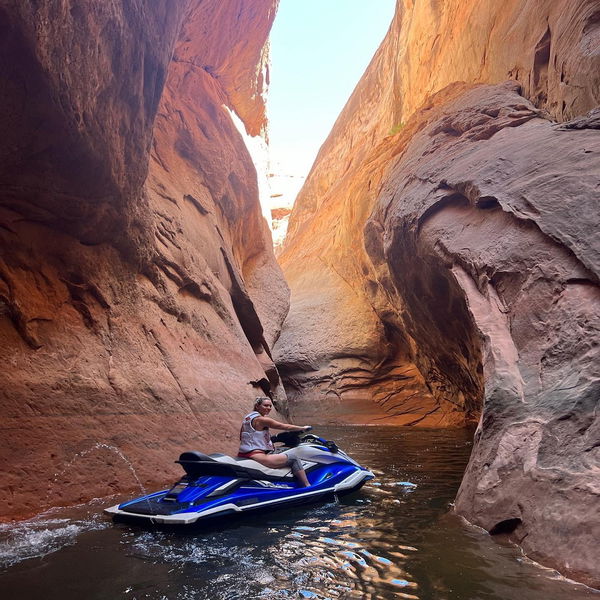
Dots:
pixel 319 51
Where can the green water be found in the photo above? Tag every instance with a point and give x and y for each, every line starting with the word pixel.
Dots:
pixel 388 541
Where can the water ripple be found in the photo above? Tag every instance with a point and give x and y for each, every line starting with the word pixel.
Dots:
pixel 41 536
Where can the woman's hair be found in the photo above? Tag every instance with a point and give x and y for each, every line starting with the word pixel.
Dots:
pixel 259 401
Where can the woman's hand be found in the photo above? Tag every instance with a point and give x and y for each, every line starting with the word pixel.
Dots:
pixel 306 427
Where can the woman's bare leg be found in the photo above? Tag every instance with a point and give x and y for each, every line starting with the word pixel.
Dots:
pixel 277 461
pixel 302 478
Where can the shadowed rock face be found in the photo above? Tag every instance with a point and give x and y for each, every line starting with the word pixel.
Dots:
pixel 443 260
pixel 135 265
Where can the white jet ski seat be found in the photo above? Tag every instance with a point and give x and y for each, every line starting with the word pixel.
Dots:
pixel 197 464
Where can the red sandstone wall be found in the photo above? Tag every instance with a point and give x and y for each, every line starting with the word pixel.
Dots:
pixel 133 319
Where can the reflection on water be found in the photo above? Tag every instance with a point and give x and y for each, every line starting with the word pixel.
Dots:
pixel 394 539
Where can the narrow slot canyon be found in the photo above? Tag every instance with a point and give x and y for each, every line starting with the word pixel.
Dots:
pixel 437 275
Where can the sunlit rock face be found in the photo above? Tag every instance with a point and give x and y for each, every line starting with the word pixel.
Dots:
pixel 443 260
pixel 139 294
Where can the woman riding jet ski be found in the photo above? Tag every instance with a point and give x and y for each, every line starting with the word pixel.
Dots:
pixel 217 485
pixel 255 439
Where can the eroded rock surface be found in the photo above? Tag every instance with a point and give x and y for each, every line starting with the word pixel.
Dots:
pixel 139 292
pixel 443 259
pixel 491 206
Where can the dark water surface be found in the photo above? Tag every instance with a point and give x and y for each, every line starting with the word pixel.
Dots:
pixel 391 540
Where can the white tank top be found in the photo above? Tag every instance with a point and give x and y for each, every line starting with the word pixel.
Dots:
pixel 250 439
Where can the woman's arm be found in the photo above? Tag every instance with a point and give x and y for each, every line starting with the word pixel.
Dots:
pixel 262 422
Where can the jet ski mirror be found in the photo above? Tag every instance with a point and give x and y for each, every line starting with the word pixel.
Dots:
pixel 332 446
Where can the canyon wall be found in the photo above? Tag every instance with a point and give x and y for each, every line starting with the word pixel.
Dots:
pixel 443 260
pixel 139 294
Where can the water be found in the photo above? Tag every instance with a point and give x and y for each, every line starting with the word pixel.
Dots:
pixel 99 447
pixel 395 539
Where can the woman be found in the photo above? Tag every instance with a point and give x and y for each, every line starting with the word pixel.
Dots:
pixel 255 440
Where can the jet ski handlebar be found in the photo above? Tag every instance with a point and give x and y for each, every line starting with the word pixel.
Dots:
pixel 290 438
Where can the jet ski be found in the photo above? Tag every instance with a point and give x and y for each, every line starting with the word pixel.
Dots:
pixel 216 485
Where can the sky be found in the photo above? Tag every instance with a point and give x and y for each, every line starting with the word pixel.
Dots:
pixel 319 51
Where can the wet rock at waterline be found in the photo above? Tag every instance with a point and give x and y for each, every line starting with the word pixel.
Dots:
pixel 443 260
pixel 139 294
